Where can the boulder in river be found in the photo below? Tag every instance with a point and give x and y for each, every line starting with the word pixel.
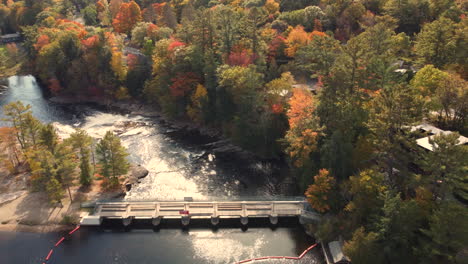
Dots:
pixel 136 173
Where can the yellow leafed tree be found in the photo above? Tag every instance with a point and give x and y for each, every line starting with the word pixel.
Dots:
pixel 198 98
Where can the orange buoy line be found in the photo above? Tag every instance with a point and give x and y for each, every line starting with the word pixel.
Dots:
pixel 50 254
pixel 58 243
pixel 279 257
pixel 73 231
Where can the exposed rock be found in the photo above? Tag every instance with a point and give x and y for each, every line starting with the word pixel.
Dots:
pixel 136 173
pixel 129 124
pixel 139 172
pixel 8 197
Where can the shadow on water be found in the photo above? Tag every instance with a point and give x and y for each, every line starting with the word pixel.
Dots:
pixel 145 224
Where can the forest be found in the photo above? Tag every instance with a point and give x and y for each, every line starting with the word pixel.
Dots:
pixel 336 88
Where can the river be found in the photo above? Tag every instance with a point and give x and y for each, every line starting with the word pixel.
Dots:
pixel 178 168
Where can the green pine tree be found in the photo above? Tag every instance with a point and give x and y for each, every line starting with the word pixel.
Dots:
pixel 112 158
pixel 82 143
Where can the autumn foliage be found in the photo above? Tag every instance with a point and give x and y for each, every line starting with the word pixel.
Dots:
pixel 301 137
pixel 302 107
pixel 174 45
pixel 127 17
pixel 90 42
pixel 276 45
pixel 297 38
pixel 183 83
pixel 240 58
pixel 318 193
pixel 42 40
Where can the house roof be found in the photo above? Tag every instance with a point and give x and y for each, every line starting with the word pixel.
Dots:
pixel 427 128
pixel 13 35
pixel 424 142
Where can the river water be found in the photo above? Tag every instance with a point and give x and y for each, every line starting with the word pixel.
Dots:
pixel 178 168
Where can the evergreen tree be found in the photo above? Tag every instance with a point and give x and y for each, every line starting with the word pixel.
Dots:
pixel 446 235
pixel 82 142
pixel 392 112
pixel 447 167
pixel 48 137
pixel 437 43
pixel 169 17
pixel 112 158
pixel 54 190
pixel 65 164
pixel 26 126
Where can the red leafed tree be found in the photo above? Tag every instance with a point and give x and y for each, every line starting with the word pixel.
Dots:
pixel 175 44
pixel 132 60
pixel 54 85
pixel 277 109
pixel 184 83
pixel 90 42
pixel 276 45
pixel 240 58
pixel 318 193
pixel 127 17
pixel 152 31
pixel 42 40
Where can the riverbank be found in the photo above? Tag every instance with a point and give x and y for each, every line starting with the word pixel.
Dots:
pixel 24 211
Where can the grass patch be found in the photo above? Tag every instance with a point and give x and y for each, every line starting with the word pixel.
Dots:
pixel 28 222
pixel 69 220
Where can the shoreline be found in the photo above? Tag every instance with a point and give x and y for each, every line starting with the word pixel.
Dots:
pixel 42 228
pixel 31 211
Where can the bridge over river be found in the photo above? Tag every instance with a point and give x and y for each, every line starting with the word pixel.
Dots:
pixel 214 211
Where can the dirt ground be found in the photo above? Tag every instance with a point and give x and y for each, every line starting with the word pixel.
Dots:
pixel 22 210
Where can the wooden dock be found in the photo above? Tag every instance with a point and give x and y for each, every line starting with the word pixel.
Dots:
pixel 186 210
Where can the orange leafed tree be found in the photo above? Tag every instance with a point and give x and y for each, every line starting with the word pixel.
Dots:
pixel 42 40
pixel 303 132
pixel 316 33
pixel 272 7
pixel 11 156
pixel 127 17
pixel 90 42
pixel 297 38
pixel 302 108
pixel 318 193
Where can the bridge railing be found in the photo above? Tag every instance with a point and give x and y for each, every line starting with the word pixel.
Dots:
pixel 90 204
